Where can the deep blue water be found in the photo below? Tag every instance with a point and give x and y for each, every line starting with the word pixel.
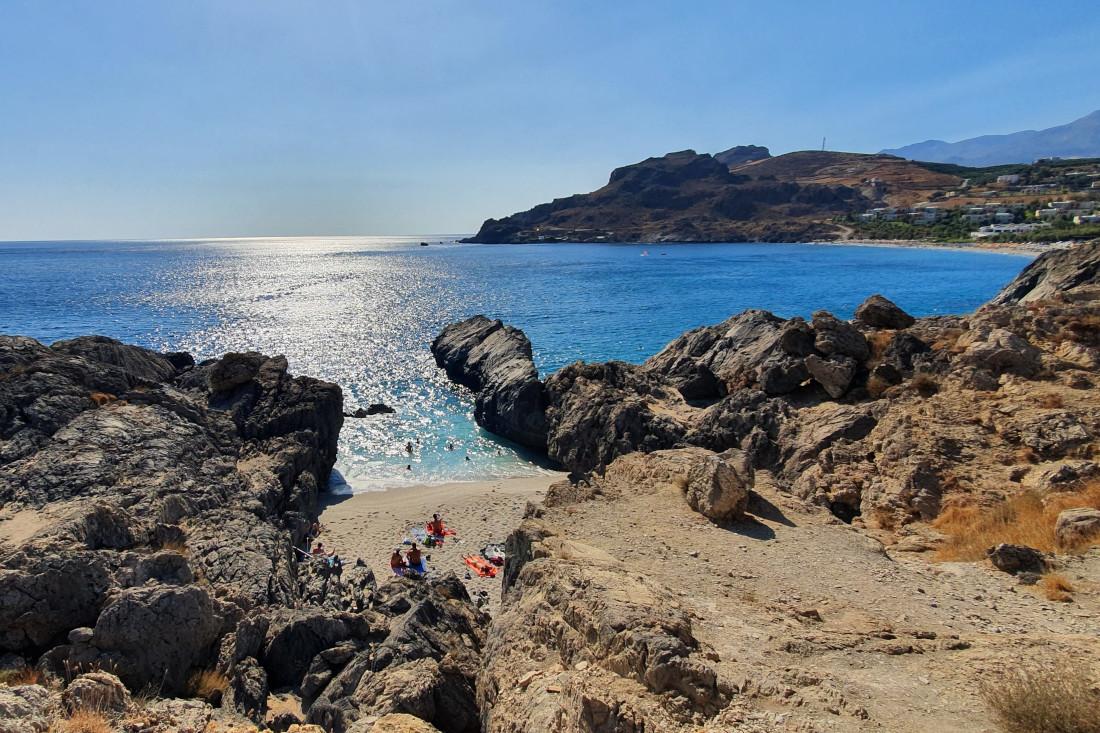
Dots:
pixel 361 311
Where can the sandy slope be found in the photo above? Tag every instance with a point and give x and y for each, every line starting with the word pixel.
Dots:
pixel 370 525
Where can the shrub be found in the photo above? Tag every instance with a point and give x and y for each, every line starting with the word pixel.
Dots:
pixel 877 386
pixel 83 721
pixel 1022 519
pixel 101 398
pixel 924 384
pixel 24 676
pixel 1056 587
pixel 208 685
pixel 1054 699
pixel 1051 401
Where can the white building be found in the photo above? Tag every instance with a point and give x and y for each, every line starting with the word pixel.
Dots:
pixel 1009 180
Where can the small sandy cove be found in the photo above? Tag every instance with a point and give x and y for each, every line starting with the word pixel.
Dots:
pixel 370 525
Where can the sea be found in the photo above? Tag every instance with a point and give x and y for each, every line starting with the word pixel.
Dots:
pixel 361 312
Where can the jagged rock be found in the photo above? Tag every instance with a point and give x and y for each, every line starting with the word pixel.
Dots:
pixel 1056 274
pixel 24 709
pixel 153 635
pixel 879 312
pixel 1016 558
pixel 999 351
pixel 234 370
pixel 833 336
pixel 566 603
pixel 97 691
pixel 601 411
pixel 1075 527
pixel 782 374
pixel 904 352
pixel 247 691
pixel 495 361
pixel 834 374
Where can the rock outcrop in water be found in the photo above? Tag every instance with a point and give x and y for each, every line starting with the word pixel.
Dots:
pixel 152 509
pixel 495 361
pixel 871 417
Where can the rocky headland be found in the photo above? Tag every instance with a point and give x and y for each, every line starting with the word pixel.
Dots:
pixel 875 524
pixel 783 524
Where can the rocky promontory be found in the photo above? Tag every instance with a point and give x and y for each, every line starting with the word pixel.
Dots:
pixel 769 509
pixel 155 513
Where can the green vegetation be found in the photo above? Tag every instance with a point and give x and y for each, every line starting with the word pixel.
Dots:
pixel 1030 173
pixel 951 228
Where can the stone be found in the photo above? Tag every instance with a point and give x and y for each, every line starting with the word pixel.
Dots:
pixel 833 336
pixel 879 312
pixel 81 635
pixel 718 486
pixel 1000 351
pixel 234 370
pixel 1016 558
pixel 834 374
pixel 24 709
pixel 1057 273
pixel 97 691
pixel 1076 527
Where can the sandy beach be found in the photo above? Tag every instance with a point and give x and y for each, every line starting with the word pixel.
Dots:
pixel 371 524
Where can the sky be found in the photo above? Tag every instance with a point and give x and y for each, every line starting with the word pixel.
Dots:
pixel 206 118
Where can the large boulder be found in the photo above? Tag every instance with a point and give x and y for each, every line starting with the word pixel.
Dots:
pixel 1076 527
pixel 96 691
pixel 834 374
pixel 999 351
pixel 1016 558
pixel 495 361
pixel 834 336
pixel 24 709
pixel 880 312
pixel 718 486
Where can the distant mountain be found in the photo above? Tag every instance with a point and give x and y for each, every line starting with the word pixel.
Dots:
pixel 1078 139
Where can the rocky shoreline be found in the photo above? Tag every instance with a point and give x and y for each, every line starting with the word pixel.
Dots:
pixel 741 546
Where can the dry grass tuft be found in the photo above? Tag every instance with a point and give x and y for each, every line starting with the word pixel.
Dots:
pixel 879 341
pixel 1056 587
pixel 924 384
pixel 208 685
pixel 1051 401
pixel 1055 699
pixel 83 721
pixel 24 676
pixel 1022 519
pixel 102 398
pixel 949 340
pixel 177 546
pixel 877 386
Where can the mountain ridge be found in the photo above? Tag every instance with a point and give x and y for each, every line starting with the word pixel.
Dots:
pixel 1077 139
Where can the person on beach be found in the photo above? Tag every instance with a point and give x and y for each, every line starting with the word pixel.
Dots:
pixel 319 548
pixel 397 563
pixel 414 560
pixel 435 527
pixel 408 467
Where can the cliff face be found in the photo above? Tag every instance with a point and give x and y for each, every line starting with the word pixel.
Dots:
pixel 681 197
pixel 151 511
pixel 777 479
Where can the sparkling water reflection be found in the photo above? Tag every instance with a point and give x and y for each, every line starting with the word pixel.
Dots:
pixel 361 312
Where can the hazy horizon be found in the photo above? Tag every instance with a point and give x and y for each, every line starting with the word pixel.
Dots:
pixel 281 119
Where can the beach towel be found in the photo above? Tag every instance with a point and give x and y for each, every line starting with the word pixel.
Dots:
pixel 447 531
pixel 494 553
pixel 481 566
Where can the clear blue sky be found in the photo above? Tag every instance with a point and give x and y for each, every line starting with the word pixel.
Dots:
pixel 149 118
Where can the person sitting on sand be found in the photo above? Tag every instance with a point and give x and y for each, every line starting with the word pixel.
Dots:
pixel 319 548
pixel 435 527
pixel 415 560
pixel 397 563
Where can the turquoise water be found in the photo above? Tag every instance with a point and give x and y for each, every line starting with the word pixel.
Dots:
pixel 361 312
